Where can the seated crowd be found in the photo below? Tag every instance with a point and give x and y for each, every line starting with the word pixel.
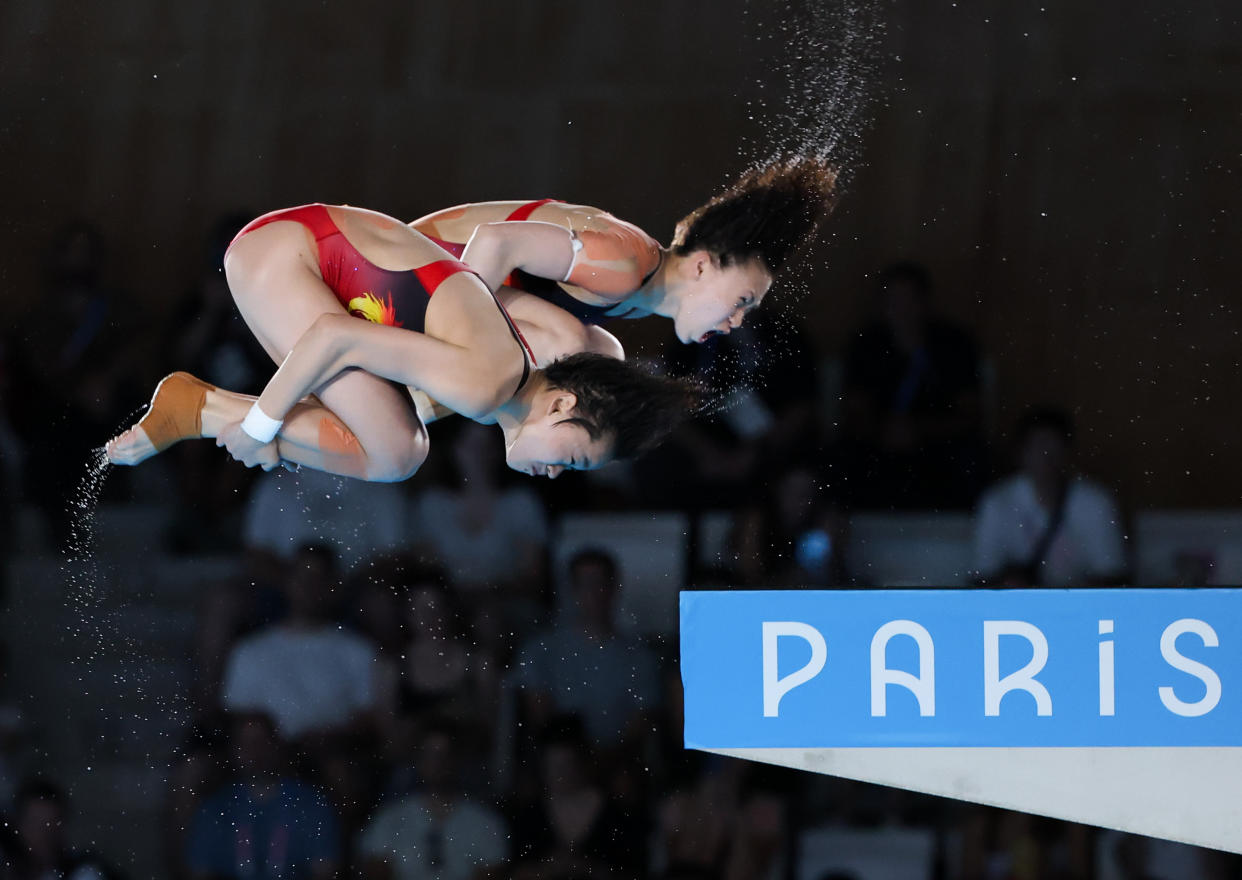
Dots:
pixel 401 684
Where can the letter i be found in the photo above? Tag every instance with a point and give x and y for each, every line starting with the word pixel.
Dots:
pixel 1106 669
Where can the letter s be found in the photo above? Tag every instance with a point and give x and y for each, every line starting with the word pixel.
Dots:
pixel 1168 650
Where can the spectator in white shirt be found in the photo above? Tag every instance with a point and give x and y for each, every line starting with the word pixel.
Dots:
pixel 583 666
pixel 1046 525
pixel 314 677
pixel 360 519
pixel 490 534
pixel 437 832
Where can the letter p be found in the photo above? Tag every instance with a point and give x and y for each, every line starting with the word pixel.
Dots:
pixel 775 687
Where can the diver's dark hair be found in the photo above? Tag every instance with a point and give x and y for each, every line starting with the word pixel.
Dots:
pixel 766 213
pixel 620 400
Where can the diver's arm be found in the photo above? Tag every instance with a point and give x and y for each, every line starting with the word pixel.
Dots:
pixel 535 247
pixel 455 376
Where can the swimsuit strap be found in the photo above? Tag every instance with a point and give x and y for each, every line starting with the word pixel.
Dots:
pixel 433 275
pixel 528 356
pixel 523 212
pixel 314 217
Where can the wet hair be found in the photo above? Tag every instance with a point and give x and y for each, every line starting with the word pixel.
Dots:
pixel 1040 418
pixel 767 213
pixel 619 400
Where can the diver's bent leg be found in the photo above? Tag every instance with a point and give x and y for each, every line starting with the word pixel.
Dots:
pixel 184 407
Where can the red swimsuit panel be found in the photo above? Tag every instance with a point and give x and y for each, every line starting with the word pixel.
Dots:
pixel 397 298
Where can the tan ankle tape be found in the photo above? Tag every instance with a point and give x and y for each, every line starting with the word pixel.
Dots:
pixel 176 411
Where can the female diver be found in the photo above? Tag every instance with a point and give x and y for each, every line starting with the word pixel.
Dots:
pixel 721 263
pixel 722 260
pixel 297 275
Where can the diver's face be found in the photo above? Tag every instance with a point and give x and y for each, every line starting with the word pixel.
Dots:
pixel 546 445
pixel 716 299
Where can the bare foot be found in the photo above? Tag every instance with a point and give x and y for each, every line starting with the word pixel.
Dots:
pixel 175 414
pixel 131 447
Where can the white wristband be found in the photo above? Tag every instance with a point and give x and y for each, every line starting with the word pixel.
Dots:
pixel 576 244
pixel 260 425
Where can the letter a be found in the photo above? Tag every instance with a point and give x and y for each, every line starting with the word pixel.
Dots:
pixel 923 687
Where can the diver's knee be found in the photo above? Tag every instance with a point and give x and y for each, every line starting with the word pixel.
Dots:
pixel 394 465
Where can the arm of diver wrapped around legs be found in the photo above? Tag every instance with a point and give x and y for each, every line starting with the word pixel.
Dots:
pixel 458 377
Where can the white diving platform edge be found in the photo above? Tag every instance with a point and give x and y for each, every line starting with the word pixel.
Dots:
pixel 1120 708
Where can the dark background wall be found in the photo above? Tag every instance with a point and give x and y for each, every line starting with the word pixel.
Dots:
pixel 1069 171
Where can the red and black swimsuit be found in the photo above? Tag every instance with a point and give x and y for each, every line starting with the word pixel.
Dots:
pixel 397 298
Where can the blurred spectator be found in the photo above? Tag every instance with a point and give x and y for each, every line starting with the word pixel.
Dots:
pixel 721 825
pixel 438 832
pixel 311 675
pixel 77 373
pixel 37 844
pixel 794 536
pixel 1192 568
pixel 361 519
pixel 1007 845
pixel 574 828
pixel 581 665
pixel 376 596
pixel 1045 525
pixel 266 824
pixel 1131 857
pixel 490 534
pixel 196 772
pixel 12 453
pixel 209 339
pixel 15 736
pixel 1134 857
pixel 438 669
pixel 349 773
pixel 764 377
pixel 254 597
pixel 911 432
